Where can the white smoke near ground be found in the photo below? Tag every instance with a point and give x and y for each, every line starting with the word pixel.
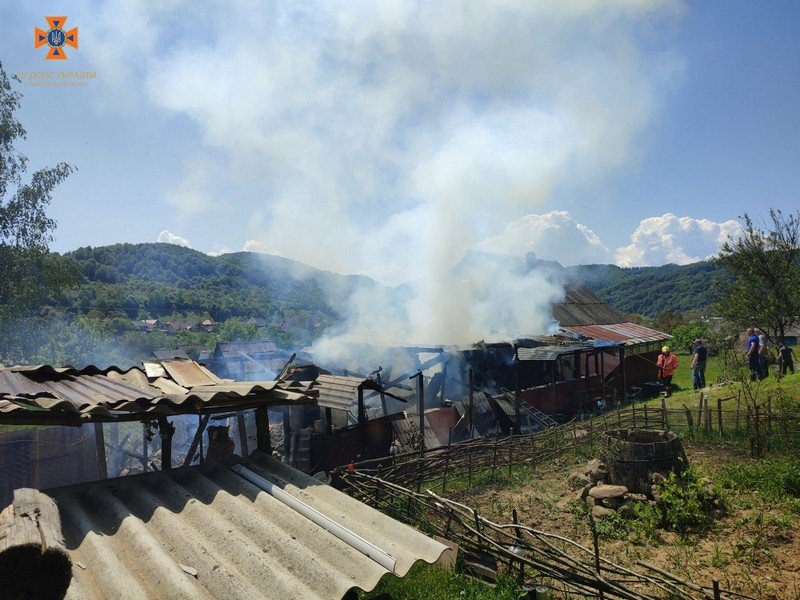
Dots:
pixel 672 239
pixel 167 237
pixel 389 138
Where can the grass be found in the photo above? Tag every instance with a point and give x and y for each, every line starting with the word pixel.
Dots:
pixel 776 478
pixel 434 583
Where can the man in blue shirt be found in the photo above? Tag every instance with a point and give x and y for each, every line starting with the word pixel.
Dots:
pixel 699 358
pixel 753 348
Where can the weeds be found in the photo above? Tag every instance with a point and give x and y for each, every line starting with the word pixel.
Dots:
pixel 774 478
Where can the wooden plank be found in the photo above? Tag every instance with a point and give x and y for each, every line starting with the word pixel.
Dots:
pixel 34 562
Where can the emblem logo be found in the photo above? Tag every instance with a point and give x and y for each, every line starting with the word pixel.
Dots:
pixel 55 38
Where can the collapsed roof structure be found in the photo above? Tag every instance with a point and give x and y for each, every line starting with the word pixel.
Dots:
pixel 259 528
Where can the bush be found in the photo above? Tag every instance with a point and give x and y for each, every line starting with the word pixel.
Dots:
pixel 685 500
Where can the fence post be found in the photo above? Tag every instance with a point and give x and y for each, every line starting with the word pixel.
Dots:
pixel 510 450
pixel 719 414
pixel 575 437
pixel 469 466
pixel 518 535
pixel 769 415
pixel 494 455
pixel 738 409
pixel 646 420
pixel 700 410
pixel 688 417
pixel 633 408
pixel 446 461
pixel 664 414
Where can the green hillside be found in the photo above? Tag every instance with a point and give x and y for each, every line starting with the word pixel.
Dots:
pixel 247 296
pixel 653 290
pixel 156 280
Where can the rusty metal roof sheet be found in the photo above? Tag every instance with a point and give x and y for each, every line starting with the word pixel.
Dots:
pixel 189 374
pixel 630 334
pixel 136 537
pixel 581 307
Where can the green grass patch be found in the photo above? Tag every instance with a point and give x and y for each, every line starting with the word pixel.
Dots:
pixel 434 583
pixel 775 478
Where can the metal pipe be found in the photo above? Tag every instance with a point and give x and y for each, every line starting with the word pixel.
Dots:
pixel 350 538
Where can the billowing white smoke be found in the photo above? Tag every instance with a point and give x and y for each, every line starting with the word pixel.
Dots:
pixel 386 138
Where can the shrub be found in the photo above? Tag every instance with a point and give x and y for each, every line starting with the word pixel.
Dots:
pixel 684 502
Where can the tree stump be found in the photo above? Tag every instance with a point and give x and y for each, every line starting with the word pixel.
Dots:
pixel 34 562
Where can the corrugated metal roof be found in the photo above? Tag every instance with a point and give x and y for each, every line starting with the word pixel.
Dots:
pixel 581 307
pixel 339 391
pixel 630 334
pixel 189 374
pixel 48 395
pixel 550 352
pixel 132 536
pixel 232 349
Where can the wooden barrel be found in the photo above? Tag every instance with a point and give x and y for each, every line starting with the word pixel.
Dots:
pixel 633 455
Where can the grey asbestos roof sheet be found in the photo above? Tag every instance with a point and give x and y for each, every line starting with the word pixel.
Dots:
pixel 46 395
pixel 133 537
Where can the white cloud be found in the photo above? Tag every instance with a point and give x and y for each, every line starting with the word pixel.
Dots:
pixel 672 239
pixel 218 250
pixel 167 237
pixel 255 246
pixel 552 236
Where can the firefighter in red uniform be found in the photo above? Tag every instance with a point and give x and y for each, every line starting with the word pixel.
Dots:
pixel 667 365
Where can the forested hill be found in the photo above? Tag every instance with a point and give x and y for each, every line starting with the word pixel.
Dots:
pixel 153 280
pixel 652 290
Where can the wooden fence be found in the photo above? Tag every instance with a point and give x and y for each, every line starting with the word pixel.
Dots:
pixel 438 467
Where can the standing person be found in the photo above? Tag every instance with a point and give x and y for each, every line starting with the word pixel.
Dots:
pixel 753 355
pixel 699 358
pixel 667 365
pixel 786 355
pixel 763 354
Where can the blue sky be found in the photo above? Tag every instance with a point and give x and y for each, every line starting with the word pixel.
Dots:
pixel 387 138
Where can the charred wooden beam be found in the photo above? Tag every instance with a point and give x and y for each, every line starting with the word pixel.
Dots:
pixel 166 431
pixel 263 440
pixel 34 562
